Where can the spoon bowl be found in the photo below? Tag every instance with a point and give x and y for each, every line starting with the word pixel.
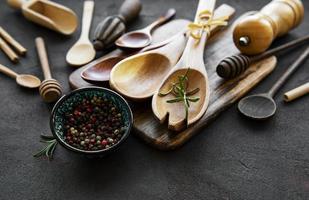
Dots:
pixel 142 38
pixel 259 106
pixel 174 113
pixel 28 81
pixel 80 53
pixel 136 40
pixel 101 71
pixel 137 77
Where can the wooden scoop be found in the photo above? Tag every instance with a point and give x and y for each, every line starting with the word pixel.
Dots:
pixel 48 14
pixel 142 38
pixel 197 78
pixel 83 51
pixel 139 76
pixel 24 80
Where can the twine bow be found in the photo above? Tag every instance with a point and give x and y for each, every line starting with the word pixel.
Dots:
pixel 204 23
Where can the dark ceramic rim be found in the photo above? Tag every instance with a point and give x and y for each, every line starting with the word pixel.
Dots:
pixel 71 148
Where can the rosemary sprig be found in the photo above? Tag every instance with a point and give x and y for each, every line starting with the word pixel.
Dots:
pixel 179 90
pixel 50 147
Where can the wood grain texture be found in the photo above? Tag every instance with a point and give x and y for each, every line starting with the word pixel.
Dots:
pixel 222 95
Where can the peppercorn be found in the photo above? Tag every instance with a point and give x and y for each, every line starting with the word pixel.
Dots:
pixel 94 124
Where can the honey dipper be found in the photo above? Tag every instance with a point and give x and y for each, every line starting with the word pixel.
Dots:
pixel 233 66
pixel 254 33
pixel 50 89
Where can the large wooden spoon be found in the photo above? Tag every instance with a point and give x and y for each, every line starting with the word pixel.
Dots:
pixel 83 51
pixel 142 38
pixel 24 80
pixel 197 78
pixel 139 76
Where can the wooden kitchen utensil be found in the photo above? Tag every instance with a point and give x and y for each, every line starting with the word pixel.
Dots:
pixel 99 70
pixel 296 92
pixel 160 35
pixel 82 51
pixel 141 38
pixel 255 33
pixel 8 51
pixel 48 14
pixel 24 80
pixel 177 114
pixel 139 76
pixel 112 27
pixel 16 45
pixel 262 106
pixel 50 89
pixel 233 66
pixel 224 93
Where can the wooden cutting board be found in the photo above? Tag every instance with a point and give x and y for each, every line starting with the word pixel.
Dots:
pixel 223 93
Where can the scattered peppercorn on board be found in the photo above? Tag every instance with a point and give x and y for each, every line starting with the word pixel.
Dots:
pixel 223 93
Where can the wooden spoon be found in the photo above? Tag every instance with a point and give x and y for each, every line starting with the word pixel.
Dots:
pixel 24 80
pixel 262 106
pixel 48 14
pixel 82 51
pixel 139 76
pixel 100 71
pixel 197 78
pixel 141 38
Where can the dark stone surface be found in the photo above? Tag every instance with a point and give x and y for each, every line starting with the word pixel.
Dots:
pixel 233 158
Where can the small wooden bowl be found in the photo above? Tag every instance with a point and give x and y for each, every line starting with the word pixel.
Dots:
pixel 74 98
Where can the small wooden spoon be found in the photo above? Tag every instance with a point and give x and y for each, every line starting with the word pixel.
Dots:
pixel 197 78
pixel 48 14
pixel 24 80
pixel 82 51
pixel 262 106
pixel 142 38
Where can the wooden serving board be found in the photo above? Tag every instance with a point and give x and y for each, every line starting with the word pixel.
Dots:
pixel 223 93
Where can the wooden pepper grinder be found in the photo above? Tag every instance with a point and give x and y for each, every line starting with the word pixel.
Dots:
pixel 50 89
pixel 112 27
pixel 254 33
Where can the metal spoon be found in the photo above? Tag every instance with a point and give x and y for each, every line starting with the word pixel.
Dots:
pixel 262 106
pixel 24 80
pixel 142 38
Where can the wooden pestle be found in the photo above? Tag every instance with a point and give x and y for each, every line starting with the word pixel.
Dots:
pixel 233 66
pixel 50 89
pixel 254 33
pixel 112 27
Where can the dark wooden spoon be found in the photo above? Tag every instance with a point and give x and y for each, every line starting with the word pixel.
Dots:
pixel 142 38
pixel 262 106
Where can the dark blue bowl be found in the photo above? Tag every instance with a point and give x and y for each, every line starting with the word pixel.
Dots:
pixel 65 104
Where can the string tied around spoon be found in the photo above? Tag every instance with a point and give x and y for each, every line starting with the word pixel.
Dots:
pixel 204 22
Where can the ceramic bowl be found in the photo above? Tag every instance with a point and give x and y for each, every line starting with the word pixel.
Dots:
pixel 65 103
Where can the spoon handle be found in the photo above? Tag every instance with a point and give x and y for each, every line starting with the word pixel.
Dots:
pixel 40 46
pixel 289 72
pixel 87 17
pixel 161 20
pixel 7 71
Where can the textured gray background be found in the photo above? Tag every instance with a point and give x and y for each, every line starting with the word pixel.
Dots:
pixel 233 158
